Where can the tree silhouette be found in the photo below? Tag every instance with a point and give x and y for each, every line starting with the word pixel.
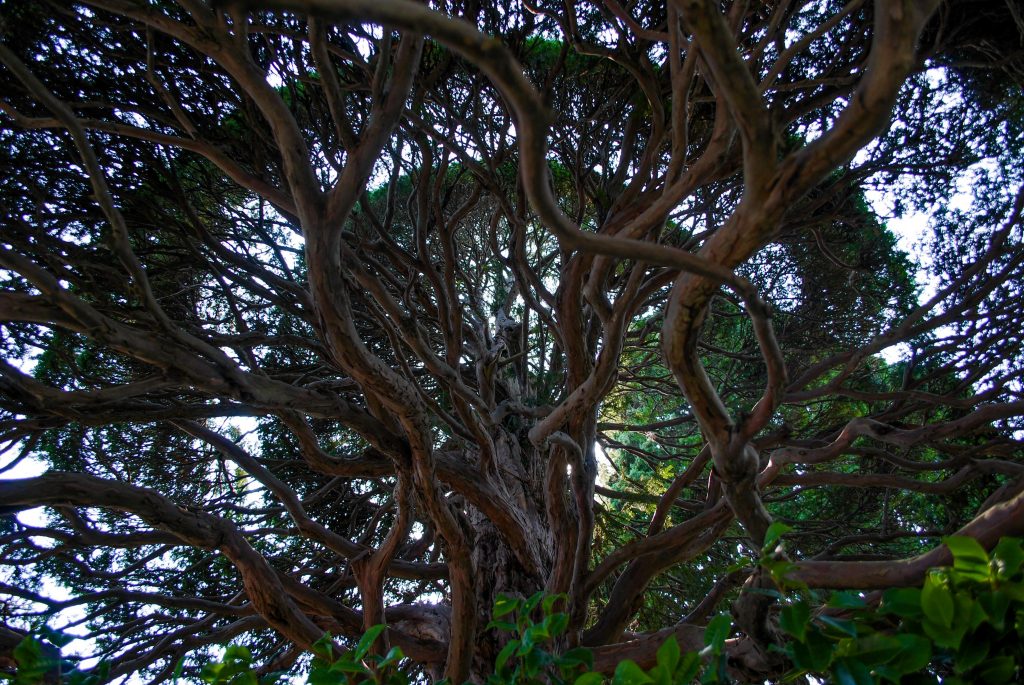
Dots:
pixel 329 313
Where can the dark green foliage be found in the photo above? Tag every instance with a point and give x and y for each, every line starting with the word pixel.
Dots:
pixel 964 625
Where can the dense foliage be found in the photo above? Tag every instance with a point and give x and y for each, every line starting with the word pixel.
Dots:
pixel 319 315
pixel 965 625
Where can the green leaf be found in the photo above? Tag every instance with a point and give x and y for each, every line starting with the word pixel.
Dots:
pixel 589 678
pixel 628 673
pixel 970 654
pixel 504 654
pixel 794 619
pixel 367 640
pixel 904 602
pixel 945 636
pixel 937 601
pixel 504 605
pixel 533 601
pixel 668 654
pixel 995 604
pixel 771 537
pixel 686 671
pixel 322 676
pixel 500 625
pixel 579 656
pixel 840 625
pixel 846 600
pixel 877 648
pixel 717 631
pixel 659 675
pixel 852 672
pixel 549 602
pixel 555 624
pixel 814 654
pixel 28 653
pixel 998 670
pixel 324 647
pixel 969 557
pixel 237 653
pixel 1009 557
pixel 394 655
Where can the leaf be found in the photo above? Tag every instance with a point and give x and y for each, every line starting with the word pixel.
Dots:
pixel 995 604
pixel 970 654
pixel 937 601
pixel 237 653
pixel 668 654
pixel 998 670
pixel 814 654
pixel 324 647
pixel 904 602
pixel 555 624
pixel 589 678
pixel 771 537
pixel 28 653
pixel 533 601
pixel 549 602
pixel 944 636
pixel 969 557
pixel 875 649
pixel 717 631
pixel 367 640
pixel 687 670
pixel 840 625
pixel 659 675
pixel 845 599
pixel 504 605
pixel 578 656
pixel 500 625
pixel 504 654
pixel 794 619
pixel 1009 557
pixel 394 654
pixel 628 673
pixel 852 672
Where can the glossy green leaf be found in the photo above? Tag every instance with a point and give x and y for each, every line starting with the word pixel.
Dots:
pixel 937 601
pixel 1009 557
pixel 794 618
pixel 549 602
pixel 814 654
pixel 504 605
pixel 505 654
pixel 717 631
pixel 970 654
pixel 532 602
pixel 668 654
pixel 628 673
pixel 839 625
pixel 904 602
pixel 969 558
pixel 846 600
pixel 997 670
pixel 772 536
pixel 877 648
pixel 367 640
pixel 852 672
pixel 687 669
pixel 589 678
pixel 556 624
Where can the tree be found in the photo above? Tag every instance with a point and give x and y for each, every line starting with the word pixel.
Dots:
pixel 323 314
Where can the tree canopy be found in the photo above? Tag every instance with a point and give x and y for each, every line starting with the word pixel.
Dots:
pixel 323 314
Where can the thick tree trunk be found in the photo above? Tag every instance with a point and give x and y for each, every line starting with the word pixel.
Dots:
pixel 499 571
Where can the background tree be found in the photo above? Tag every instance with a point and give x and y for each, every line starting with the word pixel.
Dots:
pixel 317 313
